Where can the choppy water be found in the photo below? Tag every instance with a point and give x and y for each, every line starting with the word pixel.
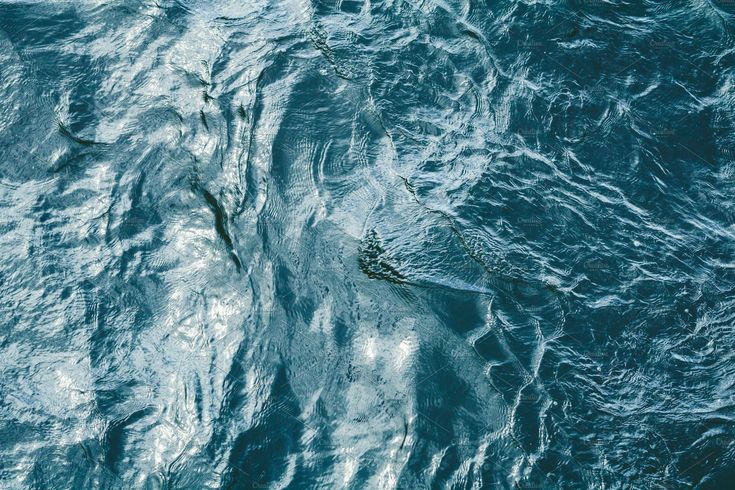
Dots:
pixel 367 244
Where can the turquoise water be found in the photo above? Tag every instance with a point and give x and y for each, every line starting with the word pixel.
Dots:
pixel 367 244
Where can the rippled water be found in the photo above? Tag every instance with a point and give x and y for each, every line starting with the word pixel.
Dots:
pixel 367 244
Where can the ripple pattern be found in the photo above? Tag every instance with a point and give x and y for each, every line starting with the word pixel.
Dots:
pixel 367 244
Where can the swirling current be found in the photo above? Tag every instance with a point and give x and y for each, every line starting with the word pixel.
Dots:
pixel 383 244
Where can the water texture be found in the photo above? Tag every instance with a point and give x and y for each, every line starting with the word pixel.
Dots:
pixel 367 244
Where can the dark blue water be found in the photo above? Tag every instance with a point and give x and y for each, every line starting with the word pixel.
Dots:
pixel 375 244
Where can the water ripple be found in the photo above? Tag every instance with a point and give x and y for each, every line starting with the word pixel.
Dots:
pixel 366 244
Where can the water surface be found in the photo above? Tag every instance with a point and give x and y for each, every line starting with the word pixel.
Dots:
pixel 367 244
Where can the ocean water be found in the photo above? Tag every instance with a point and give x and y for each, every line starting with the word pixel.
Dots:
pixel 367 244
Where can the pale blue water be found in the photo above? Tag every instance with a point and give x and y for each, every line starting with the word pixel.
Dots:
pixel 367 244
